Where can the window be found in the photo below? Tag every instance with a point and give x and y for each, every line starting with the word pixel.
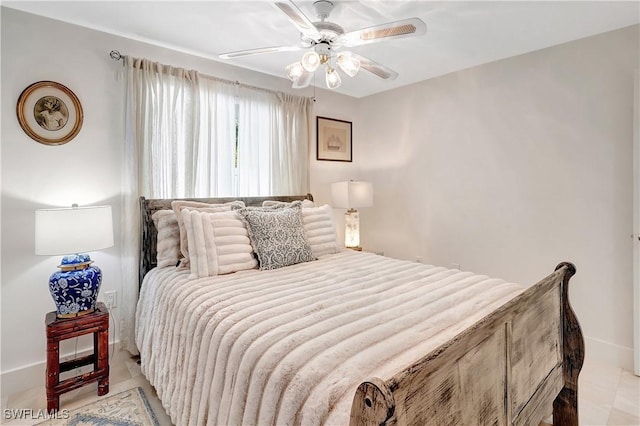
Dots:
pixel 200 136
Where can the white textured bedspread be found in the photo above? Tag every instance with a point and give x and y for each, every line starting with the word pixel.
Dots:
pixel 291 345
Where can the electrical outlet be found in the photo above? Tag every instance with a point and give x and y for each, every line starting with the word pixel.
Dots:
pixel 419 259
pixel 110 298
pixel 455 266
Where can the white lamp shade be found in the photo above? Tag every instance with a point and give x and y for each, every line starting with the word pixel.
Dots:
pixel 73 230
pixel 352 195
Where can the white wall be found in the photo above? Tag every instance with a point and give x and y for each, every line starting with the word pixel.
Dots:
pixel 86 170
pixel 324 173
pixel 511 167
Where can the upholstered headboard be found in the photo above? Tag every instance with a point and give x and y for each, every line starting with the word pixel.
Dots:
pixel 148 232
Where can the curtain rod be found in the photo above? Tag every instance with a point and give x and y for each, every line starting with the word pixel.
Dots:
pixel 116 56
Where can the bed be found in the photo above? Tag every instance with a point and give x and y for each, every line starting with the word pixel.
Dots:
pixel 355 338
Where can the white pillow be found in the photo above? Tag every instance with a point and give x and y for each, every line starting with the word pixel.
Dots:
pixel 218 243
pixel 177 207
pixel 168 241
pixel 272 203
pixel 321 230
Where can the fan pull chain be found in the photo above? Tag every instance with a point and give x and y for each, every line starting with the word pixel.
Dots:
pixel 314 87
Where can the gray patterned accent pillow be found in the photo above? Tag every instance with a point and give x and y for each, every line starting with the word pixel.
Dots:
pixel 277 236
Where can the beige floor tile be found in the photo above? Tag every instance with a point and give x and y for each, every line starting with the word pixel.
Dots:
pixel 593 414
pixel 133 366
pixel 618 417
pixel 598 384
pixel 597 387
pixel 628 394
pixel 118 372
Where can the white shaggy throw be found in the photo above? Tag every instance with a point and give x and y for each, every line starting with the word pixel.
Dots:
pixel 290 346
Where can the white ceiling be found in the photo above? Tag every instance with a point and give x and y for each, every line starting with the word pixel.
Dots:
pixel 459 35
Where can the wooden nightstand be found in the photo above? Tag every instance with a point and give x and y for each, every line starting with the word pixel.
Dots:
pixel 59 329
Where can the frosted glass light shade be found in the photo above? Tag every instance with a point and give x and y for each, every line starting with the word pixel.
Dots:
pixel 303 81
pixel 348 64
pixel 310 61
pixel 73 230
pixel 333 79
pixel 294 71
pixel 351 195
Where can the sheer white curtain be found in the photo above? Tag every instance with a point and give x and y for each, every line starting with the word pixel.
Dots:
pixel 288 155
pixel 271 158
pixel 216 145
pixel 130 226
pixel 166 110
pixel 256 129
pixel 181 142
pixel 162 114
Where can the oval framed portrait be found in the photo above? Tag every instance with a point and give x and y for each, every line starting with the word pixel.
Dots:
pixel 49 113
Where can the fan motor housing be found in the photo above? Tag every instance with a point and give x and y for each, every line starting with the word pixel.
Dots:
pixel 323 48
pixel 330 34
pixel 330 31
pixel 329 27
pixel 323 8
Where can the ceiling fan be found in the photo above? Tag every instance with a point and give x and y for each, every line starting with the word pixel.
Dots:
pixel 324 38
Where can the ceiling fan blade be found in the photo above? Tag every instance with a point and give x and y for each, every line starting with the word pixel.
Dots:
pixel 391 30
pixel 375 68
pixel 240 53
pixel 304 25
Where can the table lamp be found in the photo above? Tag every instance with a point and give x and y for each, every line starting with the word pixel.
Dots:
pixel 72 232
pixel 351 195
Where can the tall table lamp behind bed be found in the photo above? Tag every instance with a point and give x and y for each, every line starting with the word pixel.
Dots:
pixel 351 195
pixel 72 232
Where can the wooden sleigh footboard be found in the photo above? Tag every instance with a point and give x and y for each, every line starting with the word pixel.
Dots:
pixel 510 368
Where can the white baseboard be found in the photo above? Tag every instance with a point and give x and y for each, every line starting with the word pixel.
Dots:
pixel 608 353
pixel 21 379
pixel 32 375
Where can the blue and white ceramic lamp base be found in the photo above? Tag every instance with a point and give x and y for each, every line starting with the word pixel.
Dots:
pixel 75 287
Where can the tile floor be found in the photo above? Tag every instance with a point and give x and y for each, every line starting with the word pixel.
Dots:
pixel 124 374
pixel 608 395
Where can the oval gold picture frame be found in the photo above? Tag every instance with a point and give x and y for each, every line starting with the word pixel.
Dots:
pixel 49 113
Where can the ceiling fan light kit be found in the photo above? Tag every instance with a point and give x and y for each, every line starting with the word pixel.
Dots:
pixel 303 81
pixel 324 37
pixel 333 78
pixel 294 71
pixel 348 63
pixel 310 61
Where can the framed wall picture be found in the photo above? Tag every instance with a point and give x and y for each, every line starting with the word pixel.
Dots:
pixel 333 139
pixel 49 113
